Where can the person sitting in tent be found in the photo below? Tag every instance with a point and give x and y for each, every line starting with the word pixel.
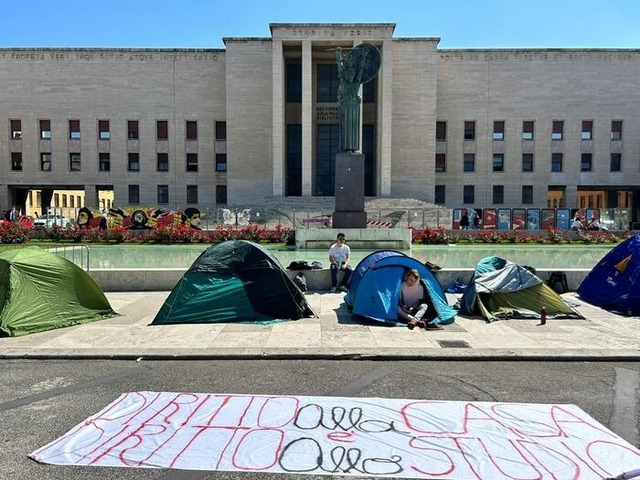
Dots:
pixel 414 302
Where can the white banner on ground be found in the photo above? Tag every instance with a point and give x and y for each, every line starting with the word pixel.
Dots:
pixel 345 436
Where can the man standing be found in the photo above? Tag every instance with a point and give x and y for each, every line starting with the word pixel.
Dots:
pixel 339 260
pixel 13 214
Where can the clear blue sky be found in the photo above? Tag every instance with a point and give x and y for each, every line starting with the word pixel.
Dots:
pixel 203 23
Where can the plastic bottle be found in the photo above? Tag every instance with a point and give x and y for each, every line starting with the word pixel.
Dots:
pixel 543 316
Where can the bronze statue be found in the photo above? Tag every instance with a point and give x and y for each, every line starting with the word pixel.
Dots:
pixel 359 66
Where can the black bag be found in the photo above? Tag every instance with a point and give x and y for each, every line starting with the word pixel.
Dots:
pixel 558 282
pixel 301 281
pixel 299 265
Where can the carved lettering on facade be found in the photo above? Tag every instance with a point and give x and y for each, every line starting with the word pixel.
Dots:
pixel 328 114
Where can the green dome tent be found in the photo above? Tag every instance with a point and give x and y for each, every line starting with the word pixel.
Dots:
pixel 234 281
pixel 41 291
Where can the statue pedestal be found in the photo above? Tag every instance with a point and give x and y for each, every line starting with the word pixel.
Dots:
pixel 349 192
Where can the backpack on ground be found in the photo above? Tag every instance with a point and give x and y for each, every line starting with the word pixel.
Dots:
pixel 558 282
pixel 301 281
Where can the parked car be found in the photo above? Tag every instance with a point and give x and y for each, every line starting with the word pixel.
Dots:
pixel 49 221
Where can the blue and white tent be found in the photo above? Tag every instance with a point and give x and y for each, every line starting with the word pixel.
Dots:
pixel 375 288
pixel 612 283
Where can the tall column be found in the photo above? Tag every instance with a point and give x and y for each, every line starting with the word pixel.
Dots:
pixel 278 152
pixel 307 118
pixel 385 113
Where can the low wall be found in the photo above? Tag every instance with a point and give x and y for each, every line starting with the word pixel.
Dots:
pixel 357 238
pixel 158 280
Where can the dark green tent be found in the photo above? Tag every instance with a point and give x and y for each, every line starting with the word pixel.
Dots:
pixel 41 291
pixel 234 281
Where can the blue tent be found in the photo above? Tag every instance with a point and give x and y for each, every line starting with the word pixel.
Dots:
pixel 611 283
pixel 375 288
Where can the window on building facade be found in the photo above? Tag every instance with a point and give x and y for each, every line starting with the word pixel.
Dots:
pixel 293 160
pixel 221 194
pixel 72 201
pixel 45 162
pixel 74 162
pixel 163 194
pixel 557 131
pixel 527 194
pixel 162 164
pixel 369 92
pixel 527 130
pixel 327 83
pixel 294 82
pixel 441 162
pixel 45 129
pixel 440 195
pixel 469 162
pixel 64 200
pixel 162 130
pixel 441 130
pixel 527 162
pixel 74 129
pixel 104 162
pixel 132 130
pixel 616 129
pixel 616 162
pixel 469 130
pixel 78 201
pixel 498 162
pixel 134 194
pixel 468 194
pixel 16 161
pixel 587 130
pixel 192 130
pixel 498 130
pixel 192 194
pixel 192 162
pixel 556 162
pixel 221 130
pixel 56 200
pixel 586 162
pixel 133 162
pixel 103 130
pixel 221 162
pixel 16 129
pixel 498 194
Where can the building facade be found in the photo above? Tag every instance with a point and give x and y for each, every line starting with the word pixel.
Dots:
pixel 260 119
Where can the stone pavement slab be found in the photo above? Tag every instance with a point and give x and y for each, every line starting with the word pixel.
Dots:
pixel 333 334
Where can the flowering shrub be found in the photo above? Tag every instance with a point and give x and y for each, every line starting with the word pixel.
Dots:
pixel 14 232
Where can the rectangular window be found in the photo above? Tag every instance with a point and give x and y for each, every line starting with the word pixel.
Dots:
pixel 74 129
pixel 56 200
pixel 104 162
pixel 470 130
pixel 527 194
pixel 441 162
pixel 441 130
pixel 192 194
pixel 221 194
pixel 163 194
pixel 557 132
pixel 64 200
pixel 16 161
pixel 527 130
pixel 221 130
pixel 556 162
pixel 163 162
pixel 192 162
pixel 45 129
pixel 585 162
pixel 192 130
pixel 327 83
pixel 469 162
pixel 468 194
pixel 72 201
pixel 616 162
pixel 74 162
pixel 294 82
pixel 133 162
pixel 16 129
pixel 369 92
pixel 498 194
pixel 103 130
pixel 498 162
pixel 134 194
pixel 527 162
pixel 162 130
pixel 132 129
pixel 498 130
pixel 587 130
pixel 440 195
pixel 45 162
pixel 221 162
pixel 616 129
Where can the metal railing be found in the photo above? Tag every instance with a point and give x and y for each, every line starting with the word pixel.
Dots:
pixel 78 254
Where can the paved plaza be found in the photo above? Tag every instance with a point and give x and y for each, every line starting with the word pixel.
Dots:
pixel 333 334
